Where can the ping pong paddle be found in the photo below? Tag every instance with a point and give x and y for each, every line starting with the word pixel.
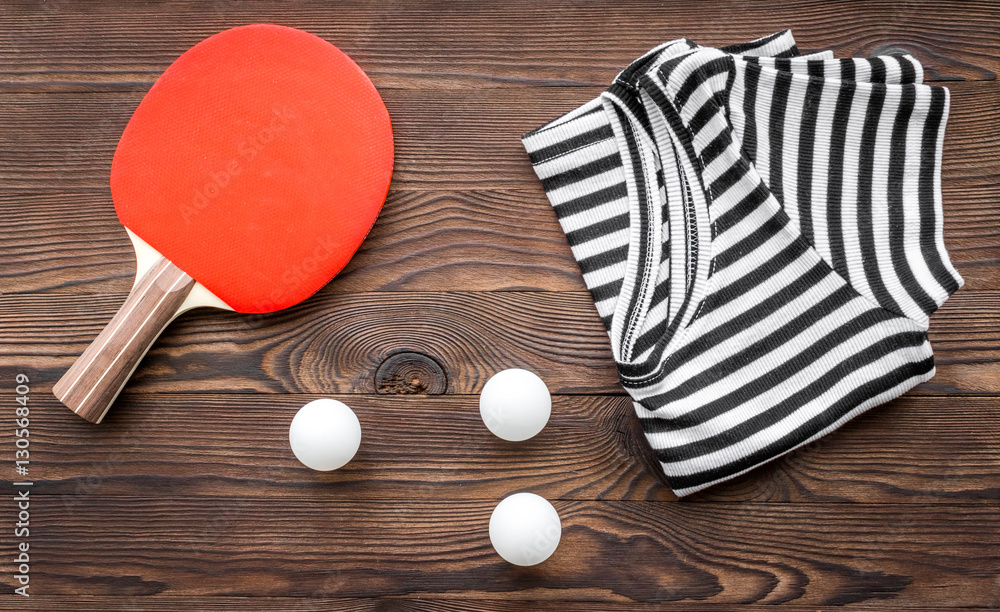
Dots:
pixel 247 177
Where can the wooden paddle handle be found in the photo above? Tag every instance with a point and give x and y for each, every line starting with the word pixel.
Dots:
pixel 94 381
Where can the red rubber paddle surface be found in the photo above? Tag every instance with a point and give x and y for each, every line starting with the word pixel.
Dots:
pixel 257 163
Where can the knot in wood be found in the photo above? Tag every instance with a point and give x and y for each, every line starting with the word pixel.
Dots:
pixel 410 373
pixel 888 49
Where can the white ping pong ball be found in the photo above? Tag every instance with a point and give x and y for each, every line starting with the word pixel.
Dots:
pixel 325 434
pixel 525 529
pixel 515 404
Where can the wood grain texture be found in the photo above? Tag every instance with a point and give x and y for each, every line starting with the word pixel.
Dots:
pixel 466 139
pixel 373 604
pixel 188 497
pixel 423 240
pixel 66 44
pixel 335 342
pixel 915 450
pixel 817 554
pixel 106 603
pixel 448 240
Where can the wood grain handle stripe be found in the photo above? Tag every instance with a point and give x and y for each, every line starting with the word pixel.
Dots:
pixel 91 385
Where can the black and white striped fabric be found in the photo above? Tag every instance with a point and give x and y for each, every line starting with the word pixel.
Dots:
pixel 761 234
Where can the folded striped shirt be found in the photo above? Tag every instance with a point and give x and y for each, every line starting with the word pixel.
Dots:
pixel 762 238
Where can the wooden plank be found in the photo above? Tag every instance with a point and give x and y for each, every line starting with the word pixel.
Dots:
pixel 448 240
pixel 468 139
pixel 915 450
pixel 444 241
pixel 332 342
pixel 163 603
pixel 817 555
pixel 472 45
pixel 335 342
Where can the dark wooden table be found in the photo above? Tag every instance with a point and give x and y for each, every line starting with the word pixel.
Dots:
pixel 188 496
